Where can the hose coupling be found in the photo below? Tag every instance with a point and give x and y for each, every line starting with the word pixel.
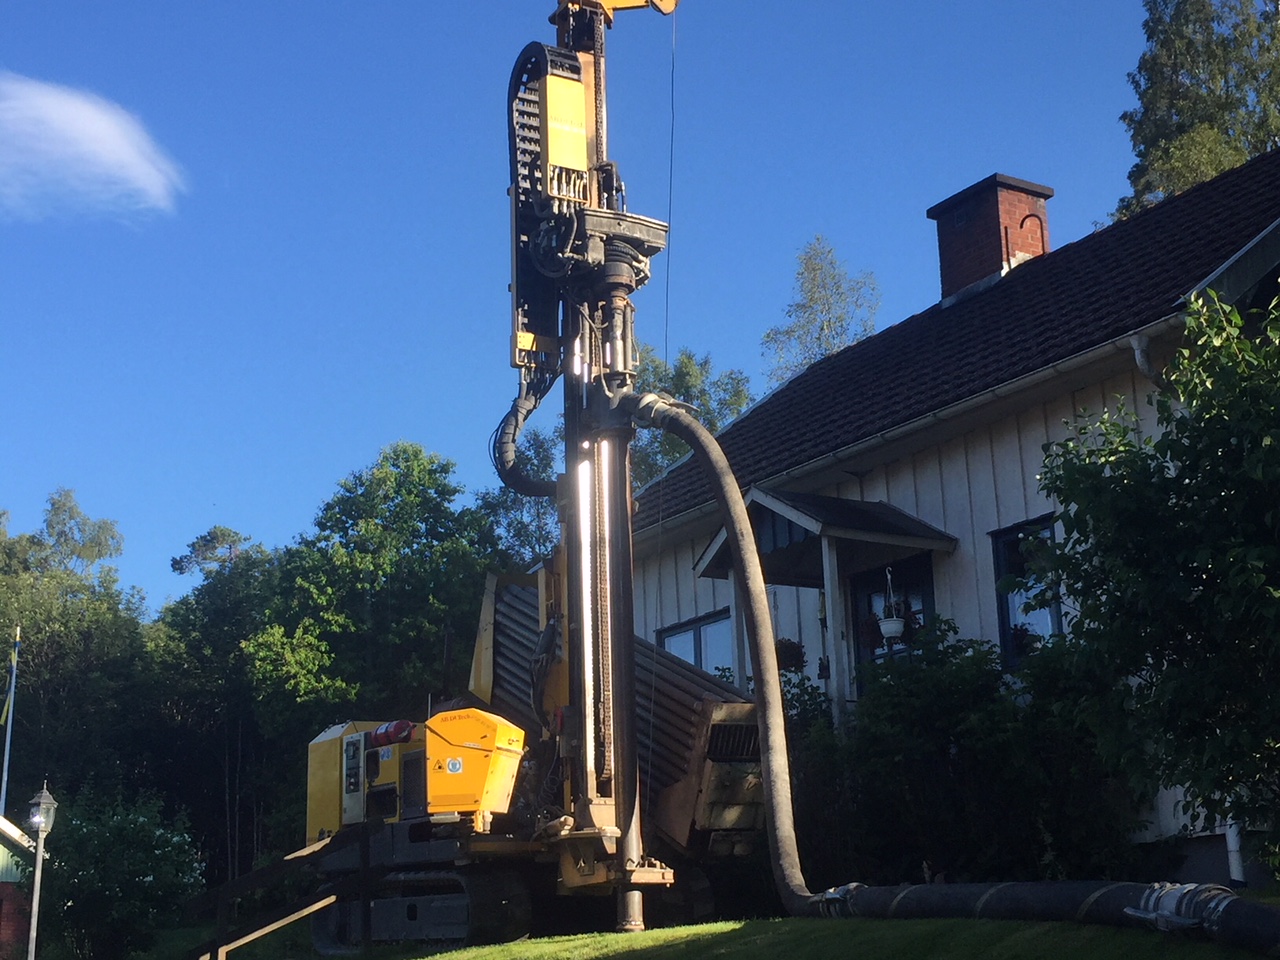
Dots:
pixel 652 409
pixel 836 901
pixel 1172 907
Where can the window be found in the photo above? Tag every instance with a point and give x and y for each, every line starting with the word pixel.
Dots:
pixel 912 589
pixel 706 642
pixel 1019 631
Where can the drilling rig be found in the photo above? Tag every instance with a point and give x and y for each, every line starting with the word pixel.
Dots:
pixel 535 782
pixel 466 821
pixel 578 254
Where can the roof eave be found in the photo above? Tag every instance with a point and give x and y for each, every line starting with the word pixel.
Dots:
pixel 974 402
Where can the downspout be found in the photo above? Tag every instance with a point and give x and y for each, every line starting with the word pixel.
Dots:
pixel 1214 910
pixel 1141 344
pixel 1235 862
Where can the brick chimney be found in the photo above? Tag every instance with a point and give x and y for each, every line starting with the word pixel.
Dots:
pixel 988 229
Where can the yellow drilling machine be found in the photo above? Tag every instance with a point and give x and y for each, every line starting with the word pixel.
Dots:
pixel 492 811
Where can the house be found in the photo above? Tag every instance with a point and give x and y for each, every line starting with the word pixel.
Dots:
pixel 16 850
pixel 916 450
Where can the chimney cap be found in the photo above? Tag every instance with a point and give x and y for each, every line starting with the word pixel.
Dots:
pixel 995 180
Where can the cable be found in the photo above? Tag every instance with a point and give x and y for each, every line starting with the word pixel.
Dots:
pixel 671 166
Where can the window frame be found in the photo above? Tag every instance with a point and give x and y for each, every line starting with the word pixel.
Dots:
pixel 696 625
pixel 1044 525
pixel 913 574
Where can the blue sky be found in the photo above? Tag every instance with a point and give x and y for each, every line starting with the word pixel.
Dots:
pixel 244 246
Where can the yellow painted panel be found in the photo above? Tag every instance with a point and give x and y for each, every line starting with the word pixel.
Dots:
pixel 564 123
pixel 472 760
pixel 324 773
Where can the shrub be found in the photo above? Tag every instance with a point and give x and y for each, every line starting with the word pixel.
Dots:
pixel 116 870
pixel 953 770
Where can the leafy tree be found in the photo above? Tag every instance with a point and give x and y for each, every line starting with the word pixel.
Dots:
pixel 394 576
pixel 212 699
pixel 831 310
pixel 717 397
pixel 1170 555
pixel 117 871
pixel 70 540
pixel 1208 87
pixel 86 690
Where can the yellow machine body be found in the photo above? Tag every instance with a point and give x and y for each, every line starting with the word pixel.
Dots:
pixel 349 781
pixel 472 761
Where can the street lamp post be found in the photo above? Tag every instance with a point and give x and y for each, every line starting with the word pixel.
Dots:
pixel 43 808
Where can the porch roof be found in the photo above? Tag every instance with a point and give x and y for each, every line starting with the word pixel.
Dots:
pixel 789 528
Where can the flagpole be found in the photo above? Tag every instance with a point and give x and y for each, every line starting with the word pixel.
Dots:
pixel 8 717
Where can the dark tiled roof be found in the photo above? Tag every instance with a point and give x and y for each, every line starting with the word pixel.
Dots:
pixel 868 516
pixel 1097 289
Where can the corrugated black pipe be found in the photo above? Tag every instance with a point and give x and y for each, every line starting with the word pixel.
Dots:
pixel 1211 909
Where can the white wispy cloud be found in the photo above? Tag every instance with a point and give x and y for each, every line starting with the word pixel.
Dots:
pixel 66 150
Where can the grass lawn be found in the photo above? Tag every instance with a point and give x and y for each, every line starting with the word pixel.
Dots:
pixel 864 939
pixel 792 940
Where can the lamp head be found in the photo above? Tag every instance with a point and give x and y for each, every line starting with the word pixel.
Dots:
pixel 43 809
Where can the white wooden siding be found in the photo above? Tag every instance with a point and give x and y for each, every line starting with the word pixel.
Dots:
pixel 969 485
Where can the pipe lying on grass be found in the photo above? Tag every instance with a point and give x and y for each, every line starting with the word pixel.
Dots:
pixel 1208 908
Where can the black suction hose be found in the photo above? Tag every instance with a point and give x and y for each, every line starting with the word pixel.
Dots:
pixel 1211 909
pixel 505 439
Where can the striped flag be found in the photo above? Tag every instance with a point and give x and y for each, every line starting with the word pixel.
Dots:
pixel 13 676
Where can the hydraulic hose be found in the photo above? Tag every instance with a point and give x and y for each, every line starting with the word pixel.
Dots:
pixel 1213 910
pixel 505 440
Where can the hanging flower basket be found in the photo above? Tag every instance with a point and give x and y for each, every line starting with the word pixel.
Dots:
pixel 891 620
pixel 891 627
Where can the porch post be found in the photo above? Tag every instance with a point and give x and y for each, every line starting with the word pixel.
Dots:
pixel 837 626
pixel 741 656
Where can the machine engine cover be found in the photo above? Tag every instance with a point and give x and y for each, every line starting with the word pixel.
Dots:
pixel 472 761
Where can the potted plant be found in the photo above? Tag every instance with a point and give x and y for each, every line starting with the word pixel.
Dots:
pixel 892 622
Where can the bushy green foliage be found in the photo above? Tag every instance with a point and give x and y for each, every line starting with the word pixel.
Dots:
pixel 952 769
pixel 116 871
pixel 1170 558
pixel 87 694
pixel 716 396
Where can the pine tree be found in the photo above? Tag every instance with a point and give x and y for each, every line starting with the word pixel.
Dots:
pixel 1208 87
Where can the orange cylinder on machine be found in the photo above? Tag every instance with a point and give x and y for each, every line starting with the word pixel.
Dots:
pixel 394 731
pixel 472 761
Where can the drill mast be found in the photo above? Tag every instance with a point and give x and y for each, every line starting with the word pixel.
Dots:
pixel 577 257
